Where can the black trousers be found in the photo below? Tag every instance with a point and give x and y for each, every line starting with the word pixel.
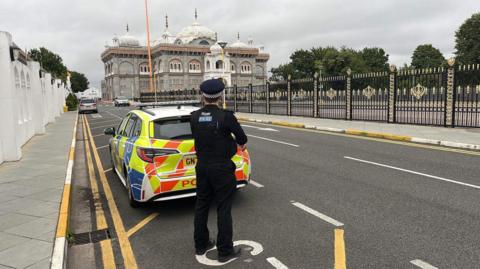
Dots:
pixel 215 181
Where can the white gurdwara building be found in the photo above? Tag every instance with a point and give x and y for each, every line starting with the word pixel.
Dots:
pixel 180 61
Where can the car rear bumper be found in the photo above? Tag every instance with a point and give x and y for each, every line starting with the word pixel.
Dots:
pixel 83 109
pixel 186 193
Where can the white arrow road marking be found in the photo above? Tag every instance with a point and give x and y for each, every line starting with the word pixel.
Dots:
pixel 276 263
pixel 257 248
pixel 416 173
pixel 317 214
pixel 259 128
pixel 271 140
pixel 96 116
pixel 256 184
pixel 423 264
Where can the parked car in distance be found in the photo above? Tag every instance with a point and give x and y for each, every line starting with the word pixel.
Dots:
pixel 121 101
pixel 87 105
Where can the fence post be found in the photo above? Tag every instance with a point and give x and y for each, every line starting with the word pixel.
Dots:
pixel 449 100
pixel 250 97
pixel 235 97
pixel 315 95
pixel 267 85
pixel 392 96
pixel 349 94
pixel 289 95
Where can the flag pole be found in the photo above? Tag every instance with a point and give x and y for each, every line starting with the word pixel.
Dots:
pixel 149 50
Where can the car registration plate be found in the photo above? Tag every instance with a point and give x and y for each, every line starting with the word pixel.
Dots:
pixel 190 161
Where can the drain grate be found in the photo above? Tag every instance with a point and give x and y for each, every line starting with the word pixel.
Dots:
pixel 91 237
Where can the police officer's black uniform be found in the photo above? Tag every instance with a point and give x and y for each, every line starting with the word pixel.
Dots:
pixel 212 129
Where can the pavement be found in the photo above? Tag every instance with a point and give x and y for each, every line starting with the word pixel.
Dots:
pixel 318 200
pixel 454 137
pixel 30 196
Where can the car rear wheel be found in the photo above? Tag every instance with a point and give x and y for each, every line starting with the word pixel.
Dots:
pixel 133 203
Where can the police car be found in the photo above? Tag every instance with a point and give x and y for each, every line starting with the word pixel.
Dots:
pixel 152 152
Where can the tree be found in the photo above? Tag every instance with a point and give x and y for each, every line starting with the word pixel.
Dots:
pixel 303 63
pixel 79 81
pixel 49 61
pixel 467 39
pixel 282 71
pixel 426 56
pixel 375 58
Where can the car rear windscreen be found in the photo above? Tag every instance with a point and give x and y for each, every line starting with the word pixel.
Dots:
pixel 87 101
pixel 172 129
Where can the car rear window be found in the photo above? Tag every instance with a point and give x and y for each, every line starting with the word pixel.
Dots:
pixel 87 101
pixel 172 129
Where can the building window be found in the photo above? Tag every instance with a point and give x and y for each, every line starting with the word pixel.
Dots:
pixel 208 65
pixel 219 64
pixel 204 42
pixel 143 68
pixel 160 68
pixel 17 78
pixel 245 68
pixel 176 66
pixel 233 68
pixel 22 77
pixel 28 82
pixel 194 67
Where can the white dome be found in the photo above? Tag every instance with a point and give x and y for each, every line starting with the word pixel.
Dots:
pixel 238 44
pixel 167 38
pixel 215 49
pixel 128 40
pixel 195 31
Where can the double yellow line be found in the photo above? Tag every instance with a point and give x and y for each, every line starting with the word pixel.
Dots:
pixel 106 246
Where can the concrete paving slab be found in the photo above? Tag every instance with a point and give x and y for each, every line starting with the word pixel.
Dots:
pixel 9 220
pixel 49 195
pixel 30 194
pixel 44 264
pixel 10 240
pixel 34 229
pixel 26 254
pixel 40 209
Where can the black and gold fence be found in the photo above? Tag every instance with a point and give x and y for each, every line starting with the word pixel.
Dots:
pixel 444 96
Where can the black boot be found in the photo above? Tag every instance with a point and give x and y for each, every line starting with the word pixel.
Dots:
pixel 237 251
pixel 210 244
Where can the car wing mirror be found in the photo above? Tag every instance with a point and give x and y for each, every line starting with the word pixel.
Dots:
pixel 109 131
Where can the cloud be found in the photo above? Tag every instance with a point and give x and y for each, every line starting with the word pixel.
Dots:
pixel 78 30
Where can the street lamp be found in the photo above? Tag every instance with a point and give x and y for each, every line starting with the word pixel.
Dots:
pixel 223 44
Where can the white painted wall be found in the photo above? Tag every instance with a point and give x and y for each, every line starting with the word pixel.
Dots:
pixel 28 102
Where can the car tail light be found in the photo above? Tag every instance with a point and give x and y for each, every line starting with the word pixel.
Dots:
pixel 148 155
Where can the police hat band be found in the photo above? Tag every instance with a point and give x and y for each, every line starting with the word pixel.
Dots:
pixel 215 95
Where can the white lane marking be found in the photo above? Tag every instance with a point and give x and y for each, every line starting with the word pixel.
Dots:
pixel 317 214
pixel 271 140
pixel 416 173
pixel 101 147
pixel 96 116
pixel 276 263
pixel 423 264
pixel 97 135
pixel 108 170
pixel 257 248
pixel 259 128
pixel 116 116
pixel 256 184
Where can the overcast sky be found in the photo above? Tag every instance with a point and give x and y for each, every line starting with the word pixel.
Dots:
pixel 78 30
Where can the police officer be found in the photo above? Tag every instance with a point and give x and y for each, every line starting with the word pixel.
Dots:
pixel 212 129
